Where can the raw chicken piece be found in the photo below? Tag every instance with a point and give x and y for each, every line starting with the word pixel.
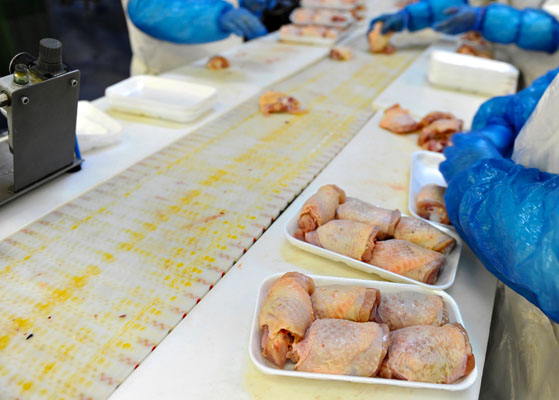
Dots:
pixel 341 53
pixel 429 354
pixel 349 238
pixel 276 102
pixel 321 207
pixel 357 210
pixel 285 315
pixel 337 346
pixel 379 43
pixel 354 303
pixel 430 204
pixel 398 120
pixel 435 145
pixel 217 62
pixel 408 259
pixel 434 116
pixel 475 51
pixel 403 309
pixel 440 129
pixel 424 234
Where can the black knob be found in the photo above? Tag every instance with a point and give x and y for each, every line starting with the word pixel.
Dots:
pixel 50 56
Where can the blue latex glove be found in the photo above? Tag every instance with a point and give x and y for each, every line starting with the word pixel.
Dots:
pixel 462 19
pixel 257 6
pixel 396 22
pixel 242 23
pixel 466 150
pixel 508 216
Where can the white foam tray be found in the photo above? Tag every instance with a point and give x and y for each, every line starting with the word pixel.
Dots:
pixel 444 281
pixel 161 97
pixel 267 367
pixel 425 171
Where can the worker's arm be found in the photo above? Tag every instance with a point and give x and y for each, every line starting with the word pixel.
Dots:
pixel 529 29
pixel 507 213
pixel 417 16
pixel 500 119
pixel 192 21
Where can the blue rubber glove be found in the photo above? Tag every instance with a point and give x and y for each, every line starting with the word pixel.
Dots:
pixel 242 23
pixel 396 22
pixel 257 6
pixel 462 19
pixel 466 150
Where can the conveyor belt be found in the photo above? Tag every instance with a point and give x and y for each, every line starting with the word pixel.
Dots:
pixel 88 291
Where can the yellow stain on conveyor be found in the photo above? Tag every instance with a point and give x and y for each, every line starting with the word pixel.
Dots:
pixel 88 291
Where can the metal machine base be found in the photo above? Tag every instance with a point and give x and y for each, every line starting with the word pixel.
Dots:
pixel 7 174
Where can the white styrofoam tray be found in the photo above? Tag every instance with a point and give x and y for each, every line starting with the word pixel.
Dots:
pixel 424 171
pixel 267 367
pixel 161 97
pixel 341 24
pixel 470 73
pixel 444 281
pixel 334 4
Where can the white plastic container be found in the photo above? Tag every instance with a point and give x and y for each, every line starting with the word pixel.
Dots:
pixel 266 367
pixel 425 171
pixel 472 74
pixel 161 97
pixel 334 4
pixel 444 281
pixel 95 128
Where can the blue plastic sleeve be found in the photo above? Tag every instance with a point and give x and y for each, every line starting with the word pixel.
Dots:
pixel 529 29
pixel 180 21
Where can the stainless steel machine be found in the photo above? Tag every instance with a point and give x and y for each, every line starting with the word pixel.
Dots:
pixel 39 99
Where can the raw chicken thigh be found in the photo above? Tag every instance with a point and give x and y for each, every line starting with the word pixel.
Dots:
pixel 277 102
pixel 427 353
pixel 423 234
pixel 430 204
pixel 398 120
pixel 356 210
pixel 321 207
pixel 285 315
pixel 349 238
pixel 354 303
pixel 403 309
pixel 337 346
pixel 408 259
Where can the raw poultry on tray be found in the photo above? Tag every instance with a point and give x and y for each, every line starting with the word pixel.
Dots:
pixel 383 238
pixel 435 129
pixel 430 204
pixel 310 16
pixel 359 331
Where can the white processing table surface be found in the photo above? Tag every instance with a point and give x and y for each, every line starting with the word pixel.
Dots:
pixel 211 360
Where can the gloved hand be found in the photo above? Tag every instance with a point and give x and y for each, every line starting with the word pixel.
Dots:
pixel 242 23
pixel 257 6
pixel 396 22
pixel 466 150
pixel 462 19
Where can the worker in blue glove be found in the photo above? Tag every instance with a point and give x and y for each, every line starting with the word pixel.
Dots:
pixel 502 198
pixel 166 34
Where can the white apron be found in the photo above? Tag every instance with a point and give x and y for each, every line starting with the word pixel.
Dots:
pixel 153 56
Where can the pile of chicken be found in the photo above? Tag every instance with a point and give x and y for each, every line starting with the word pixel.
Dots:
pixel 354 330
pixel 435 129
pixel 384 238
pixel 321 16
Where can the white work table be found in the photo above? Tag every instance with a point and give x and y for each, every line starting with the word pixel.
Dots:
pixel 206 355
